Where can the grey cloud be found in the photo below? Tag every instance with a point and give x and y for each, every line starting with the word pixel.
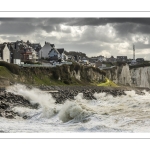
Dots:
pixel 79 21
pixel 104 21
pixel 47 28
pixel 16 28
pixel 10 38
pixel 92 40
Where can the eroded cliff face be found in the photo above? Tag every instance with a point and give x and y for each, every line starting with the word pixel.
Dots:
pixel 140 77
pixel 136 77
pixel 4 82
pixel 94 76
pixel 125 76
pixel 76 74
pixel 64 74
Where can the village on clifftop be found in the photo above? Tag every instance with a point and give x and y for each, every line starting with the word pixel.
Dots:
pixel 25 53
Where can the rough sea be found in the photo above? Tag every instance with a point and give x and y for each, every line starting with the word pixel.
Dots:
pixel 126 114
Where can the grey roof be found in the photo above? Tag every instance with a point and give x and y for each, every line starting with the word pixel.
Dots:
pixel 52 45
pixel 54 49
pixel 121 56
pixel 2 47
pixel 60 50
pixel 140 58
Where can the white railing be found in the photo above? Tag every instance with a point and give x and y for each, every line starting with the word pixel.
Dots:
pixel 44 65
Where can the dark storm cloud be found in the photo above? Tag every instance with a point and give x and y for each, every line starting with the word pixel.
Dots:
pixel 44 21
pixel 16 28
pixel 122 25
pixel 104 21
pixel 79 21
pixel 89 35
pixel 29 25
pixel 130 28
pixel 48 29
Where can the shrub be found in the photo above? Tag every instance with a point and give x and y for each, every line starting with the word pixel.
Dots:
pixel 11 67
pixel 66 82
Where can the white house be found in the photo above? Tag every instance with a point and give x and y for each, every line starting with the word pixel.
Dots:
pixel 133 62
pixel 85 60
pixel 57 54
pixel 101 58
pixel 45 50
pixel 34 55
pixel 4 53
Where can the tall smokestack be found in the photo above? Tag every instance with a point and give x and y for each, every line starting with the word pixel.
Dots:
pixel 133 52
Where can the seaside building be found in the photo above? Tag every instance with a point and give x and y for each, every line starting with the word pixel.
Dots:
pixel 57 54
pixel 122 59
pixel 44 51
pixel 111 59
pixel 4 53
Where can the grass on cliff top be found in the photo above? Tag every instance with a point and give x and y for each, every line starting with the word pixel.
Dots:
pixel 4 72
pixel 108 83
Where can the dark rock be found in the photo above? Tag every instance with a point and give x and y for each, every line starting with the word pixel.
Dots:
pixel 24 117
pixel 9 116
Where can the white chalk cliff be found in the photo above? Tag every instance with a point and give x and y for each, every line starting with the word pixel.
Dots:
pixel 136 77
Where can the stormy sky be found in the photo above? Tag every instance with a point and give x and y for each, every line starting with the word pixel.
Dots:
pixel 93 36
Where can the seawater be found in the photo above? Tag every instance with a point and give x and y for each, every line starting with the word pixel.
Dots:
pixel 126 113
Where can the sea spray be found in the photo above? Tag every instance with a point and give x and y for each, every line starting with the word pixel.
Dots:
pixel 34 95
pixel 23 111
pixel 131 93
pixel 72 110
pixel 77 110
pixel 125 113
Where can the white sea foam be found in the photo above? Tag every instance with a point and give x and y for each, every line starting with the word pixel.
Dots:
pixel 23 111
pixel 126 113
pixel 72 110
pixel 34 95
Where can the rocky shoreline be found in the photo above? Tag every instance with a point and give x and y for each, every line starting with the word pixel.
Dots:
pixel 9 100
pixel 69 92
pixel 60 94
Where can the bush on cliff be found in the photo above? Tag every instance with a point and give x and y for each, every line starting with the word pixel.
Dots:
pixel 11 67
pixel 144 64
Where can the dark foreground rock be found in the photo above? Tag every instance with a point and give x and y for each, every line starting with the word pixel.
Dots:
pixel 9 100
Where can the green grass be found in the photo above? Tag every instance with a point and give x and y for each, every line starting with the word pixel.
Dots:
pixel 4 72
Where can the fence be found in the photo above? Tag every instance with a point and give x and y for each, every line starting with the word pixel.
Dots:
pixel 44 65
